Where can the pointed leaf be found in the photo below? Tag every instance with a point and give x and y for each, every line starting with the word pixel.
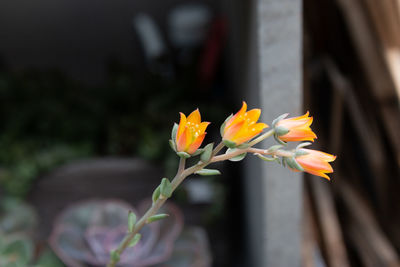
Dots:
pixel 183 155
pixel 244 145
pixel 221 130
pixel 292 163
pixel 165 188
pixel 198 152
pixel 131 221
pixel 206 156
pixel 174 131
pixel 301 145
pixel 274 148
pixel 135 240
pixel 157 217
pixel 208 172
pixel 172 145
pixel 300 152
pixel 238 157
pixel 280 130
pixel 114 255
pixel 281 117
pixel 156 194
pixel 279 140
pixel 229 144
pixel 270 159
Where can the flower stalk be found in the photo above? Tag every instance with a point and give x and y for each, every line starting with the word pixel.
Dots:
pixel 240 133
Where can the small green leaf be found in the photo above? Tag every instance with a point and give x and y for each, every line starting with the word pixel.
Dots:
pixel 157 217
pixel 300 152
pixel 165 188
pixel 183 155
pixel 281 117
pixel 292 163
pixel 274 148
pixel 131 221
pixel 270 159
pixel 206 155
pixel 238 157
pixel 114 255
pixel 156 194
pixel 174 131
pixel 301 145
pixel 244 145
pixel 229 144
pixel 172 144
pixel 208 172
pixel 198 152
pixel 135 240
pixel 279 140
pixel 280 130
pixel 221 130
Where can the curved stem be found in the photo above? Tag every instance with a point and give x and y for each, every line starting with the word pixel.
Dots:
pixel 262 137
pixel 218 148
pixel 181 174
pixel 280 153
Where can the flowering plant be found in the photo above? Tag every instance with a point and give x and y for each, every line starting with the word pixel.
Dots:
pixel 240 133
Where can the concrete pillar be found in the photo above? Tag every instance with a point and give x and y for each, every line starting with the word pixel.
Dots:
pixel 273 82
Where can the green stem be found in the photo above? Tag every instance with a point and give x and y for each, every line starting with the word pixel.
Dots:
pixel 218 148
pixel 237 152
pixel 181 174
pixel 262 137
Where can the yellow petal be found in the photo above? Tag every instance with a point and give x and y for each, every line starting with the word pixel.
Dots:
pixel 295 135
pixel 233 130
pixel 182 140
pixel 203 126
pixel 237 117
pixel 194 117
pixel 322 155
pixel 181 127
pixel 196 144
pixel 253 115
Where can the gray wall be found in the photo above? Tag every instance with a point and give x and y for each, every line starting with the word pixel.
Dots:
pixel 268 71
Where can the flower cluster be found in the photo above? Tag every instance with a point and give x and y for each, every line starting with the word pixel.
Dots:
pixel 242 131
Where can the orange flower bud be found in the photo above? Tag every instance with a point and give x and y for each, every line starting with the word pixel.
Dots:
pixel 190 133
pixel 315 162
pixel 242 126
pixel 295 129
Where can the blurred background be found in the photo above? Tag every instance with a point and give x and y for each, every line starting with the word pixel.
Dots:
pixel 89 91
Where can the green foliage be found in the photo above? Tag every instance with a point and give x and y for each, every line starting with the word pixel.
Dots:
pixel 135 240
pixel 16 251
pixel 131 221
pixel 157 217
pixel 208 172
pixel 48 259
pixel 48 120
pixel 165 188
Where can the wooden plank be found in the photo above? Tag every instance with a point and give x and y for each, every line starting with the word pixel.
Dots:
pixel 370 239
pixel 368 50
pixel 370 139
pixel 331 233
pixel 310 250
pixel 391 116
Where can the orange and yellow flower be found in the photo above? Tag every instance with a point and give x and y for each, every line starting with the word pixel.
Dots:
pixel 298 129
pixel 242 126
pixel 190 133
pixel 316 162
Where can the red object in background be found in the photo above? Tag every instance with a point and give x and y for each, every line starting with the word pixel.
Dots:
pixel 212 51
